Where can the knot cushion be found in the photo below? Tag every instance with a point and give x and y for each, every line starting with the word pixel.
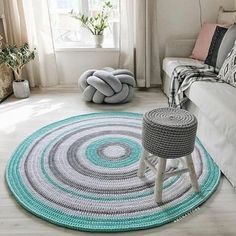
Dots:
pixel 107 85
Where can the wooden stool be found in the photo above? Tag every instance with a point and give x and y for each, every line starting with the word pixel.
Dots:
pixel 159 171
pixel 168 133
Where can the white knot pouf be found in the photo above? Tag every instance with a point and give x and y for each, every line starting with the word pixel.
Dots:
pixel 107 85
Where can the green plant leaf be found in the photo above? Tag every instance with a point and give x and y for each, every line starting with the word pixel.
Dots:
pixel 98 23
pixel 16 57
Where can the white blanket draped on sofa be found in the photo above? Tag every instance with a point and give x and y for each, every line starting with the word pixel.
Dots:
pixel 182 78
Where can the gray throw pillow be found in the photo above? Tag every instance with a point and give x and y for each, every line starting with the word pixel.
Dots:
pixel 226 45
pixel 228 70
pixel 215 45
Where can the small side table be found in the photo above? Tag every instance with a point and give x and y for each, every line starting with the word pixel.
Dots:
pixel 168 133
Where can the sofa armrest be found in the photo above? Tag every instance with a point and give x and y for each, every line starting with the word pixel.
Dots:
pixel 179 47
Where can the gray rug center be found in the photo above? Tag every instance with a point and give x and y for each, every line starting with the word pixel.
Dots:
pixel 113 151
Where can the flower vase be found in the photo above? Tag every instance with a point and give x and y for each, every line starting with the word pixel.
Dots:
pixel 98 40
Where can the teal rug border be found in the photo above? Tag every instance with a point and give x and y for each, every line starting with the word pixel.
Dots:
pixel 76 118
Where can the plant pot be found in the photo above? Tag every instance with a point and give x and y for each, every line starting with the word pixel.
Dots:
pixel 21 88
pixel 98 40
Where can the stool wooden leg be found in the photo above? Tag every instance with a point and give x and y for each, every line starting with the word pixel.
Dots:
pixel 192 172
pixel 161 167
pixel 142 164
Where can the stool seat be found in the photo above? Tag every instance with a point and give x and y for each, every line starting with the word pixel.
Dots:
pixel 169 132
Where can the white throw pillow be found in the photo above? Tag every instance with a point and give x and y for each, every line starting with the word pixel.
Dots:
pixel 228 70
pixel 226 17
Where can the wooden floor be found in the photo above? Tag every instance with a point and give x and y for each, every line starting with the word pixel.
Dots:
pixel 19 118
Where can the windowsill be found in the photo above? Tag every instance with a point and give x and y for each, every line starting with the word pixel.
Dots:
pixel 80 49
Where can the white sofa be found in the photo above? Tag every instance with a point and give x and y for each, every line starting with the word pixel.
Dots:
pixel 214 105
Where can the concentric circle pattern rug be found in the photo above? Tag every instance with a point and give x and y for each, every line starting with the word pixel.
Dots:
pixel 81 173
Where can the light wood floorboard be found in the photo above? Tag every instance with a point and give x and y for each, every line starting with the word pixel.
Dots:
pixel 19 118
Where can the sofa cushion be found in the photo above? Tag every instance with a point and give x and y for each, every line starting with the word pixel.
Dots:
pixel 228 70
pixel 226 45
pixel 203 42
pixel 170 63
pixel 226 17
pixel 215 45
pixel 217 101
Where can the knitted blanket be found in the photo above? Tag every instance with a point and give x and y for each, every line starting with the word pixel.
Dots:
pixel 182 78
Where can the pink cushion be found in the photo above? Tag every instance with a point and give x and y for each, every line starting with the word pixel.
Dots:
pixel 203 42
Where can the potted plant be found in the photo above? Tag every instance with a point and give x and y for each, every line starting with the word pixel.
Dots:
pixel 96 24
pixel 16 58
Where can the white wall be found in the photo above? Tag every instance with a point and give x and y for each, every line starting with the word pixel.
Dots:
pixel 71 64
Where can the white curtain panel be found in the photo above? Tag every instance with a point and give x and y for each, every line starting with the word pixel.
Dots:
pixel 139 47
pixel 29 21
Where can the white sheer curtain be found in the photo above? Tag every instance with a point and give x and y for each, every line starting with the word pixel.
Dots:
pixel 29 21
pixel 139 49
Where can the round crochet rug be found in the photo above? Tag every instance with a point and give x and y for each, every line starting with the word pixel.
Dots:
pixel 81 173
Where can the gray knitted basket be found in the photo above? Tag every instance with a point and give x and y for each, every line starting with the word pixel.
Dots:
pixel 169 133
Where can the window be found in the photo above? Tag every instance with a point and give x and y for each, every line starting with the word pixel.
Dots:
pixel 68 32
